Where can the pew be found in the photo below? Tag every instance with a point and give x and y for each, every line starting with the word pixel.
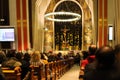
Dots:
pixel 47 72
pixel 66 65
pixel 57 69
pixel 52 70
pixel 38 72
pixel 12 74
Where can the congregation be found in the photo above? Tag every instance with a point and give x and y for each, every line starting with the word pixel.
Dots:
pixel 95 64
pixel 102 64
pixel 26 62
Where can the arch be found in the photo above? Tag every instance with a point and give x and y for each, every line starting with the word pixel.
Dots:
pixel 67 0
pixel 73 38
pixel 82 4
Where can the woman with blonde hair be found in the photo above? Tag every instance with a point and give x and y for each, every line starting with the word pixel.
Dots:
pixel 36 58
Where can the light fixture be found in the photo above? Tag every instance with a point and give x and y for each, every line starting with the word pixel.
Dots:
pixel 45 28
pixel 75 16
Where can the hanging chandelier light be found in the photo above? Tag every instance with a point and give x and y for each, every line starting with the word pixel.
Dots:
pixel 64 14
pixel 50 16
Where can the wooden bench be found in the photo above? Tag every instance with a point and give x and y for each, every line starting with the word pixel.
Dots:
pixel 52 70
pixel 39 72
pixel 12 74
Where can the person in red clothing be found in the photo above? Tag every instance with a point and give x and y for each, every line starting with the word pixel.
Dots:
pixel 104 66
pixel 89 59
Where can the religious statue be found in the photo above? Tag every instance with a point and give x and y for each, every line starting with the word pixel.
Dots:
pixel 65 44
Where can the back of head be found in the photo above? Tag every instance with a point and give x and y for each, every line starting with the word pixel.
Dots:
pixel 2 57
pixel 105 56
pixel 36 56
pixel 85 54
pixel 59 54
pixel 117 52
pixel 27 57
pixel 92 49
pixel 117 49
pixel 19 55
pixel 11 53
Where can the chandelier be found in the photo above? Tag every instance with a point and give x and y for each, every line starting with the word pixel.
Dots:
pixel 50 16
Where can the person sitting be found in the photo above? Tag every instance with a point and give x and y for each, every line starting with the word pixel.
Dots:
pixel 90 58
pixel 103 68
pixel 117 52
pixel 36 59
pixel 77 58
pixel 25 65
pixel 59 56
pixel 11 60
pixel 2 59
pixel 52 57
pixel 117 55
pixel 36 62
pixel 43 58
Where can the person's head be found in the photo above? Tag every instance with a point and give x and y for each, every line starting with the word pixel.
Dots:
pixel 85 54
pixel 92 49
pixel 27 57
pixel 117 51
pixel 59 54
pixel 36 56
pixel 105 56
pixel 2 57
pixel 19 55
pixel 11 53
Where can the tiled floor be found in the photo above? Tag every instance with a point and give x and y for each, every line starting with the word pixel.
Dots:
pixel 72 74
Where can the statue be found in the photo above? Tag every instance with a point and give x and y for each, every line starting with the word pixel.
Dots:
pixel 65 44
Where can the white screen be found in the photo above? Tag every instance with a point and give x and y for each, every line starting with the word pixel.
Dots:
pixel 110 33
pixel 7 34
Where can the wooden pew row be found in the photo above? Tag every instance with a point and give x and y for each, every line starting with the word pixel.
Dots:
pixel 53 70
pixel 50 71
pixel 12 74
pixel 15 74
pixel 45 72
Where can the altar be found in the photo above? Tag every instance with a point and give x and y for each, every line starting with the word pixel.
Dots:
pixel 63 52
pixel 73 52
pixel 67 38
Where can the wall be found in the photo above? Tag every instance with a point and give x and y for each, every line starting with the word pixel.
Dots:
pixel 111 10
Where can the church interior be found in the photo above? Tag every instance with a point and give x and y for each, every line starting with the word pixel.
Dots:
pixel 58 26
